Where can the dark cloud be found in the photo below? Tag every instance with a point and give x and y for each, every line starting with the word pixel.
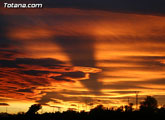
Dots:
pixel 4 104
pixel 129 6
pixel 68 76
pixel 8 54
pixel 77 74
pixel 80 50
pixel 3 36
pixel 28 90
pixel 59 78
pixel 45 62
pixel 35 72
pixel 93 84
pixel 9 64
pixel 5 42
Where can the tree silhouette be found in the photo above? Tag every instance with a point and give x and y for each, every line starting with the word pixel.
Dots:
pixel 34 108
pixel 149 104
pixel 98 108
pixel 120 109
pixel 128 108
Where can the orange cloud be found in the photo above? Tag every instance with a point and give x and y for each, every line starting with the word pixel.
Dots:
pixel 68 56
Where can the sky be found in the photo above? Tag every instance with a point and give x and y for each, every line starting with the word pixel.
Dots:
pixel 81 53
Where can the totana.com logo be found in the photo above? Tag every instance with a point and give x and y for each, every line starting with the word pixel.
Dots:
pixel 22 5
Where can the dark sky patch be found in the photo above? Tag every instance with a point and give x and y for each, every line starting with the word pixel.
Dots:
pixel 28 90
pixel 59 78
pixel 45 62
pixel 35 72
pixel 77 74
pixel 128 6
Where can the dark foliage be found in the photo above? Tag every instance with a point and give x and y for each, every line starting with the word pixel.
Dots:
pixel 33 109
pixel 149 104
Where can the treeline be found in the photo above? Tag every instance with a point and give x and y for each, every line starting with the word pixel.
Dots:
pixel 148 110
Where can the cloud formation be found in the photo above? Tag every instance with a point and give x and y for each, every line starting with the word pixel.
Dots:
pixel 70 56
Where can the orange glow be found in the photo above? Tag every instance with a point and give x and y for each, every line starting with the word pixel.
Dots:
pixel 84 56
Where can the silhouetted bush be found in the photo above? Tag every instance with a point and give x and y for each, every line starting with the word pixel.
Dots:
pixel 33 109
pixel 149 104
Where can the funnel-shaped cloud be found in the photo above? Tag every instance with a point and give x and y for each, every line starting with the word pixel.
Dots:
pixel 80 50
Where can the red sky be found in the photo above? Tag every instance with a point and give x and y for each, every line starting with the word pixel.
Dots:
pixel 69 57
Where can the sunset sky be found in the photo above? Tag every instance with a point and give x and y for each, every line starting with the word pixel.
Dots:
pixel 81 53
